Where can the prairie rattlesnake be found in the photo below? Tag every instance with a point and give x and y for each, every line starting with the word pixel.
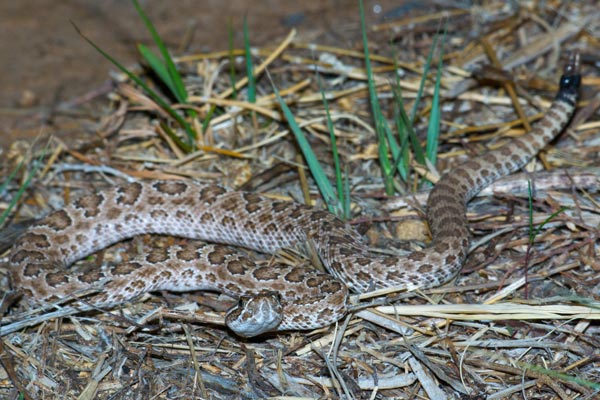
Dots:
pixel 273 297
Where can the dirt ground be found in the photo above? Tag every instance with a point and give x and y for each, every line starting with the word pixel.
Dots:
pixel 46 66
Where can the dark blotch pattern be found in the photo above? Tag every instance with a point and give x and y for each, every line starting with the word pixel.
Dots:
pixel 157 255
pixel 187 253
pixel 29 255
pixel 125 268
pixel 295 275
pixel 57 221
pixel 236 267
pixel 159 214
pixel 129 194
pixel 228 221
pixel 209 194
pixel 218 255
pixel 112 213
pixel 207 218
pixel 92 276
pixel 417 256
pixel 270 228
pixel 266 273
pixel 91 205
pixel 279 206
pixel 170 188
pixel 32 270
pixel 425 268
pixel 39 241
pixel 183 215
pixel 229 203
pixel 56 278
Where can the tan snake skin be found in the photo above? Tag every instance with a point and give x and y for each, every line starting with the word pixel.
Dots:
pixel 273 297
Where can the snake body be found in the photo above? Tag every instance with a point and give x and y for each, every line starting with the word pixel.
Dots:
pixel 272 297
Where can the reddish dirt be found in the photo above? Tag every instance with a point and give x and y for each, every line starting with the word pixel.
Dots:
pixel 46 64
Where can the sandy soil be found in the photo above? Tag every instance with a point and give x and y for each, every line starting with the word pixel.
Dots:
pixel 47 65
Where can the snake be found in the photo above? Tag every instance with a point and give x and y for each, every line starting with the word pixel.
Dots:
pixel 272 295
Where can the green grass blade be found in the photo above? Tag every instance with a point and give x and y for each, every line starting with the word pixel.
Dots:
pixel 159 68
pixel 311 159
pixel 405 129
pixel 179 88
pixel 530 204
pixel 533 233
pixel 380 122
pixel 209 115
pixel 547 220
pixel 433 129
pixel 402 161
pixel 395 149
pixel 556 375
pixel 172 78
pixel 405 123
pixel 23 187
pixel 346 204
pixel 426 67
pixel 402 158
pixel 384 160
pixel 231 56
pixel 191 133
pixel 180 143
pixel 249 65
pixel 10 177
pixel 334 149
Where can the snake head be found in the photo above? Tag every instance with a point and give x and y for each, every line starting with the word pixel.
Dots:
pixel 255 315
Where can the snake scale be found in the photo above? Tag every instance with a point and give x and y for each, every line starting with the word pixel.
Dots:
pixel 273 297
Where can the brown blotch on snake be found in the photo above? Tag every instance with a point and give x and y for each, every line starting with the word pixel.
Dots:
pixel 170 188
pixel 157 255
pixel 128 195
pixel 36 240
pixel 91 205
pixel 58 221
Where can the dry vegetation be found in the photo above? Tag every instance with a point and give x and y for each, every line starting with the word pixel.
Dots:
pixel 520 322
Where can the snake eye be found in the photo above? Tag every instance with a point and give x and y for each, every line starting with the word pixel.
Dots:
pixel 243 301
pixel 275 295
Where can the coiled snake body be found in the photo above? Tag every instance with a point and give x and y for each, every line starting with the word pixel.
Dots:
pixel 272 297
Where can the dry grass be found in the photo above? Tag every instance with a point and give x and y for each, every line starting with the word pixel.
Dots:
pixel 520 322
